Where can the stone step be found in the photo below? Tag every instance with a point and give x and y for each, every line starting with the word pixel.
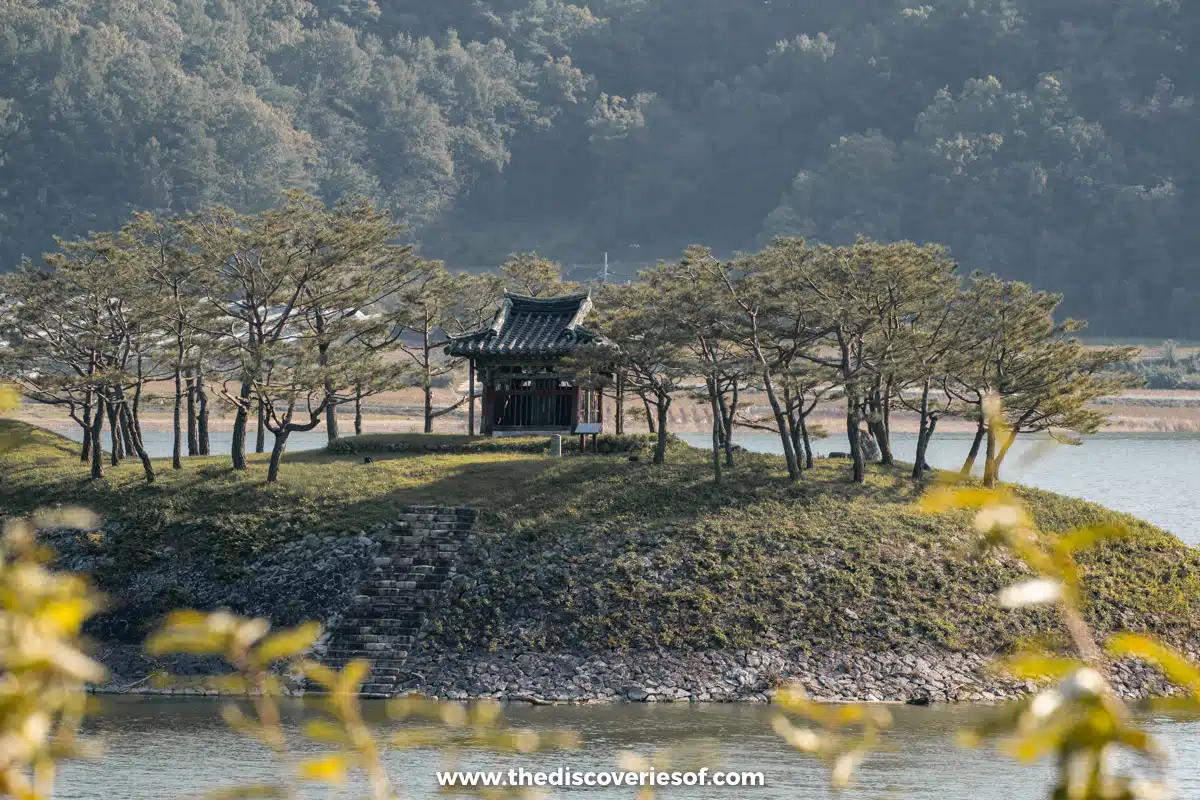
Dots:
pixel 367 641
pixel 400 620
pixel 411 568
pixel 381 622
pixel 349 654
pixel 394 633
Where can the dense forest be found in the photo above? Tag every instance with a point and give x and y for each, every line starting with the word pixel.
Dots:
pixel 1052 142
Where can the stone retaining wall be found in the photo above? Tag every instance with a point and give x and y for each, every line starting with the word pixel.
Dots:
pixel 920 677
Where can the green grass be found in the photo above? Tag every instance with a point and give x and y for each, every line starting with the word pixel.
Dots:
pixel 599 551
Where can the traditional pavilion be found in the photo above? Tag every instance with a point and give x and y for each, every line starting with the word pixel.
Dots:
pixel 518 358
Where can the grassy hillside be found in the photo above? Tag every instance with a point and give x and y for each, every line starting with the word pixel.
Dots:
pixel 599 551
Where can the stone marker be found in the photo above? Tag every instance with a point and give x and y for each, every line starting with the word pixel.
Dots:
pixel 556 445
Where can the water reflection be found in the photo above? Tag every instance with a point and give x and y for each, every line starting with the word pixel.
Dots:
pixel 164 747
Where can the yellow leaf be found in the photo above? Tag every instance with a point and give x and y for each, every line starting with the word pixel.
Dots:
pixel 249 631
pixel 1188 705
pixel 1034 666
pixel 327 769
pixel 196 642
pixel 321 730
pixel 949 498
pixel 318 673
pixel 844 767
pixel 287 643
pixel 1181 671
pixel 230 684
pixel 1040 741
pixel 10 398
pixel 1083 538
pixel 66 615
pixel 351 677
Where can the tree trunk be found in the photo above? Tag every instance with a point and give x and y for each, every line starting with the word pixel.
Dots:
pixel 331 420
pixel 989 464
pixel 808 451
pixel 728 410
pixel 717 428
pixel 147 465
pixel 114 432
pixel 881 439
pixel 620 405
pixel 856 456
pixel 85 451
pixel 277 453
pixel 428 407
pixel 193 440
pixel 878 428
pixel 885 416
pixel 649 415
pixel 358 410
pixel 240 423
pixel 918 470
pixel 793 422
pixel 1008 443
pixel 127 433
pixel 260 435
pixel 202 442
pixel 797 443
pixel 660 447
pixel 969 464
pixel 136 411
pixel 177 422
pixel 789 454
pixel 97 426
pixel 428 382
pixel 933 421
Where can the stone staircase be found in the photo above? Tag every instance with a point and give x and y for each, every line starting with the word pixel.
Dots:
pixel 415 564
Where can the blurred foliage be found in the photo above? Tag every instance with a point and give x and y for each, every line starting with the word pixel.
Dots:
pixel 9 398
pixel 43 663
pixel 843 738
pixel 1077 718
pixel 338 724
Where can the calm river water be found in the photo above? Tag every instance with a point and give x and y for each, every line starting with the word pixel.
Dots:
pixel 164 747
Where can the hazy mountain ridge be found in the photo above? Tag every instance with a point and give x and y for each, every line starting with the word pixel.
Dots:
pixel 1051 142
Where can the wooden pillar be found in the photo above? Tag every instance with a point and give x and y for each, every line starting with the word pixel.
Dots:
pixel 485 426
pixel 471 397
pixel 620 426
pixel 600 406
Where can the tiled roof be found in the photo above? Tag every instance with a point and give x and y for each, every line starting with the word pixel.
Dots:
pixel 530 326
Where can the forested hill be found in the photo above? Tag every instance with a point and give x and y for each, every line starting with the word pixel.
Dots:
pixel 1053 141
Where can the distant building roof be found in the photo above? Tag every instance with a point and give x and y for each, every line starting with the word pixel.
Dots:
pixel 530 326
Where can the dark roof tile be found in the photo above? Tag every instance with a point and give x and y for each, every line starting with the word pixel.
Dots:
pixel 530 326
